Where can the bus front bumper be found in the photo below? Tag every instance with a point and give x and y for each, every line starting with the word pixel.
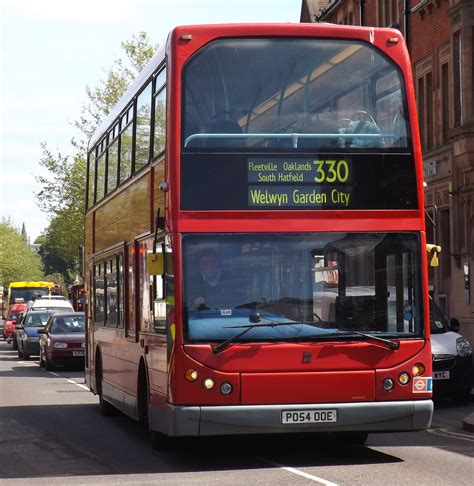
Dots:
pixel 267 419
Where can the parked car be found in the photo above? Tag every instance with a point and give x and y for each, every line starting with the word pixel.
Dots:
pixel 27 336
pixel 452 357
pixel 11 320
pixel 63 340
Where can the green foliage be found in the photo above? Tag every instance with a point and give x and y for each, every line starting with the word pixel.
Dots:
pixel 103 97
pixel 63 192
pixel 17 261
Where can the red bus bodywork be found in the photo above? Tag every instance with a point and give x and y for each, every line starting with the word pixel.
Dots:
pixel 267 379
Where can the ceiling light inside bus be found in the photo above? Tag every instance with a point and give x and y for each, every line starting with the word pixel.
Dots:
pixel 208 383
pixel 403 378
pixel 388 384
pixel 226 388
pixel 418 369
pixel 191 375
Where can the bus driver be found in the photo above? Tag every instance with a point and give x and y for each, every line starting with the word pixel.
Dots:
pixel 211 289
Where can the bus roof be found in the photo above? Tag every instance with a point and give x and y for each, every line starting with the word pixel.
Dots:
pixel 31 285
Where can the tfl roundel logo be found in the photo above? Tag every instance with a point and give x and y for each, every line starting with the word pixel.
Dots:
pixel 422 384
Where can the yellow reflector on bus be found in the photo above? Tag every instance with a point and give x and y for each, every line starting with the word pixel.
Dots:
pixel 191 375
pixel 418 369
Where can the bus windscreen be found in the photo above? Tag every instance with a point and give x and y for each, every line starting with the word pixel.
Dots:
pixel 310 285
pixel 293 94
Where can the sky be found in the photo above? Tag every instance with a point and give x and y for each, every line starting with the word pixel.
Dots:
pixel 50 50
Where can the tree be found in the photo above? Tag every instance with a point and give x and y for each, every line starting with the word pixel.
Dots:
pixel 63 192
pixel 17 261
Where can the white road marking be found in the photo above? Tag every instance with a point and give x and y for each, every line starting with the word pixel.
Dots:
pixel 77 384
pixel 298 472
pixel 448 433
pixel 58 375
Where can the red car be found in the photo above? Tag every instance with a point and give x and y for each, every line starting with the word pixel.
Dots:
pixel 63 340
pixel 11 319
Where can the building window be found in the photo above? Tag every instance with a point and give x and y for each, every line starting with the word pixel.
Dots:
pixel 429 112
pixel 387 13
pixel 444 102
pixel 444 238
pixel 425 110
pixel 457 79
pixel 421 107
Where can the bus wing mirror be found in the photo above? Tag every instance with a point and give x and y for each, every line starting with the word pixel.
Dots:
pixel 155 262
pixel 433 251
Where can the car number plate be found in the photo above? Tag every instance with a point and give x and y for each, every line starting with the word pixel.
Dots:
pixel 441 375
pixel 78 353
pixel 308 416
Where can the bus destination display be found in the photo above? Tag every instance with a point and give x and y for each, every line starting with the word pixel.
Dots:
pixel 213 181
pixel 303 182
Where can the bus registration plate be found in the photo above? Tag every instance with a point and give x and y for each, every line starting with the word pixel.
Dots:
pixel 441 375
pixel 308 416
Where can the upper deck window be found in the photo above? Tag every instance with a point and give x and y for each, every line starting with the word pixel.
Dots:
pixel 292 94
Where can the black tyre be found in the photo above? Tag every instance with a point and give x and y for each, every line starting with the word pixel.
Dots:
pixel 26 356
pixel 41 359
pixel 106 408
pixel 20 353
pixel 14 345
pixel 353 438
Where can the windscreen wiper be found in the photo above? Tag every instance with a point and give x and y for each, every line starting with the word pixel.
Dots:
pixel 254 319
pixel 386 342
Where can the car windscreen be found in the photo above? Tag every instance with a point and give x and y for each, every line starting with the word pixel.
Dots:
pixel 37 319
pixel 438 323
pixel 68 324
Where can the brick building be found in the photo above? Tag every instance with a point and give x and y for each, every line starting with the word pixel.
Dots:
pixel 440 38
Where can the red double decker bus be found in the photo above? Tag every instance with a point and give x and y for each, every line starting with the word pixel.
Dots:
pixel 255 244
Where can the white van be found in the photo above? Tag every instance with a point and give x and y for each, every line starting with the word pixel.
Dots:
pixel 52 302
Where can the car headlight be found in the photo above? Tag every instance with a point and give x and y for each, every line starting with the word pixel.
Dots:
pixel 59 345
pixel 463 347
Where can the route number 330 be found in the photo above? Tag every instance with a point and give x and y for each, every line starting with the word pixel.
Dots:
pixel 331 171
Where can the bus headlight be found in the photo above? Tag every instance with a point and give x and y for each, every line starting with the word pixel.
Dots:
pixel 388 384
pixel 403 378
pixel 463 347
pixel 418 369
pixel 226 388
pixel 208 383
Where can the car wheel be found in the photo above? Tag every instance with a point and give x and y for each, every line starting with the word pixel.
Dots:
pixel 14 344
pixel 41 359
pixel 20 353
